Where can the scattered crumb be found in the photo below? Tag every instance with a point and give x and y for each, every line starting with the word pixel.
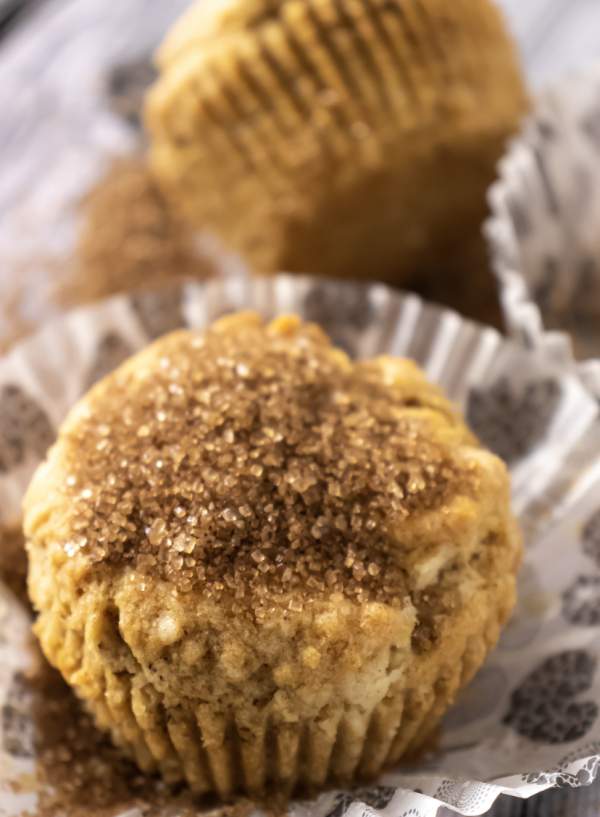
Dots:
pixel 81 774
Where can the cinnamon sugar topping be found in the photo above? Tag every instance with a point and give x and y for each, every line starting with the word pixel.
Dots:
pixel 257 461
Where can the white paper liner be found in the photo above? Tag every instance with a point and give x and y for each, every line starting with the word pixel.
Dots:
pixel 529 720
pixel 544 231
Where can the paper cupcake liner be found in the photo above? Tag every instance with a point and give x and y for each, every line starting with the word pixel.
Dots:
pixel 545 227
pixel 529 720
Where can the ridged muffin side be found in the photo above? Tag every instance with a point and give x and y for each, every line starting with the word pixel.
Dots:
pixel 354 139
pixel 330 639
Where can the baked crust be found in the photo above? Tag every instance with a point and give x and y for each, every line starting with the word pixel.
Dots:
pixel 349 139
pixel 262 565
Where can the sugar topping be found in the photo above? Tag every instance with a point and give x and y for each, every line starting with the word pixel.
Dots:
pixel 254 461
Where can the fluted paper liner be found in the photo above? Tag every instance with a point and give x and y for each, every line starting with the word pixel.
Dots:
pixel 544 232
pixel 529 719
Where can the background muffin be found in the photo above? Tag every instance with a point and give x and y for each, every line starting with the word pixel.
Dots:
pixel 353 139
pixel 261 564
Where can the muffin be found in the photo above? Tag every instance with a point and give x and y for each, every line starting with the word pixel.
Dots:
pixel 263 566
pixel 352 139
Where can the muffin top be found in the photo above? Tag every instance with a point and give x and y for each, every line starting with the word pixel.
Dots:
pixel 258 463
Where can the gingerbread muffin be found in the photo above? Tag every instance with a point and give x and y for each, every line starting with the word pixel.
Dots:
pixel 263 566
pixel 351 138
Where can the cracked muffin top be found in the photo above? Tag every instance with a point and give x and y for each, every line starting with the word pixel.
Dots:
pixel 261 464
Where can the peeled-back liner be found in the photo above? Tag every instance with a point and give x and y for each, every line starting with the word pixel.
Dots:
pixel 544 230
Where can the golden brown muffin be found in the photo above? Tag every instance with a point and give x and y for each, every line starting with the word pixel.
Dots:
pixel 264 566
pixel 353 138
